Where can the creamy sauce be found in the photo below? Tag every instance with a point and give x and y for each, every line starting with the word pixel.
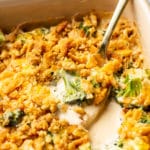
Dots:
pixel 104 130
pixel 58 91
pixel 71 116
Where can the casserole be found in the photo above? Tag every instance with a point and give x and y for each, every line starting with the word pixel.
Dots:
pixel 132 6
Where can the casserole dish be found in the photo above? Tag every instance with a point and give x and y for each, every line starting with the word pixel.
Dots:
pixel 19 11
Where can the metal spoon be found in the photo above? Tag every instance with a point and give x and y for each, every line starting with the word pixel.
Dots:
pixel 117 13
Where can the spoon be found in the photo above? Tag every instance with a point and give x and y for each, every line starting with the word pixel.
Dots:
pixel 117 13
pixel 102 50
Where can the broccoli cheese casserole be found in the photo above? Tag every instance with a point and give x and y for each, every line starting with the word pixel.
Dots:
pixel 53 84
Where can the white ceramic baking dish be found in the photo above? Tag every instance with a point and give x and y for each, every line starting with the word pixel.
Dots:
pixel 13 12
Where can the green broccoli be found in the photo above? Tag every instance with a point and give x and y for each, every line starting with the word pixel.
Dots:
pixel 95 84
pixel 145 119
pixel 23 37
pixel 11 119
pixel 85 28
pixel 73 88
pixel 44 30
pixel 132 89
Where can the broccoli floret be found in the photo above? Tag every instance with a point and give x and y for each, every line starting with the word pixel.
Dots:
pixel 11 119
pixel 67 87
pixel 133 87
pixel 44 30
pixel 145 119
pixel 85 28
pixel 95 84
pixel 73 88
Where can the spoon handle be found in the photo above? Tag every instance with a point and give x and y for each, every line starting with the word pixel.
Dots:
pixel 118 11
